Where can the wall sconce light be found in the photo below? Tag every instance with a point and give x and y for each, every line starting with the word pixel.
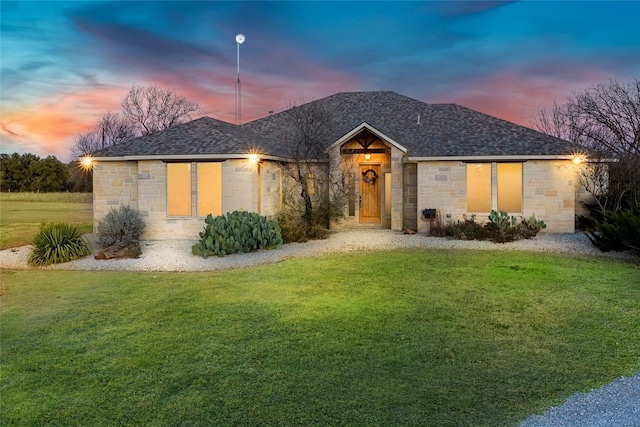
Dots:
pixel 86 163
pixel 367 156
pixel 254 158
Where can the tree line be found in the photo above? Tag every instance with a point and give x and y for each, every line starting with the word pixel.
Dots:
pixel 30 173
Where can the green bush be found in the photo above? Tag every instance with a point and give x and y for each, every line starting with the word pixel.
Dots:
pixel 501 228
pixel 120 225
pixel 617 231
pixel 468 229
pixel 237 232
pixel 295 229
pixel 57 243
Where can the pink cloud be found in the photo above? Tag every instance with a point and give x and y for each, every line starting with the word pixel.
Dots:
pixel 517 96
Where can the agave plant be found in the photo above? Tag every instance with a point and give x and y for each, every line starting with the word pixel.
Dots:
pixel 57 243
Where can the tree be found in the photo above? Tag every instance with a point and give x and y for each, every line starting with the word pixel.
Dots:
pixel 319 188
pixel 605 120
pixel 150 108
pixel 145 110
pixel 29 172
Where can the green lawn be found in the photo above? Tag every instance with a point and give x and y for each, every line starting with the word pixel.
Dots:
pixel 413 337
pixel 21 214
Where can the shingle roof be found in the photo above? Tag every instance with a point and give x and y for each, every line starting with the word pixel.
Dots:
pixel 198 137
pixel 426 130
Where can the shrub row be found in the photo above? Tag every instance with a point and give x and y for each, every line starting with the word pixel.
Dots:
pixel 237 232
pixel 501 228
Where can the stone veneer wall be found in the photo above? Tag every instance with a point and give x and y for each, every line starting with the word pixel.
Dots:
pixel 410 195
pixel 114 184
pixel 549 191
pixel 270 188
pixel 397 197
pixel 143 186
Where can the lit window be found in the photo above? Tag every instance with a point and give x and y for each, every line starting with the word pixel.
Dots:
pixel 478 187
pixel 311 184
pixel 179 189
pixel 209 195
pixel 352 194
pixel 208 185
pixel 510 187
pixel 387 195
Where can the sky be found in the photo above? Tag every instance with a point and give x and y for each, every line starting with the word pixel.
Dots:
pixel 65 64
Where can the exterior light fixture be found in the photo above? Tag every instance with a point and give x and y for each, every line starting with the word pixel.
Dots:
pixel 367 156
pixel 577 160
pixel 254 158
pixel 86 163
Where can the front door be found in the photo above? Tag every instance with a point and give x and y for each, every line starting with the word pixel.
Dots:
pixel 370 194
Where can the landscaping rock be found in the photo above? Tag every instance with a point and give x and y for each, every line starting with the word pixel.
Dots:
pixel 126 249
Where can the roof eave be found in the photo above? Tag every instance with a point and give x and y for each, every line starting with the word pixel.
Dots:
pixel 186 157
pixel 511 158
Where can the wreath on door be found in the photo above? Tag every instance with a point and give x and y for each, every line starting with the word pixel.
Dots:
pixel 369 176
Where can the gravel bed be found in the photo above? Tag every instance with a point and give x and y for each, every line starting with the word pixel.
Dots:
pixel 175 255
pixel 616 404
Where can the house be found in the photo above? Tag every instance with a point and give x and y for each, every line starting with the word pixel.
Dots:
pixel 399 156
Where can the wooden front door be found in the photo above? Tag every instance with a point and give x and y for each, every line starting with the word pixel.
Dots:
pixel 370 194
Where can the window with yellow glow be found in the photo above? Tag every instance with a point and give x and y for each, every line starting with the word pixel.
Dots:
pixel 387 195
pixel 478 187
pixel 508 186
pixel 311 184
pixel 179 189
pixel 209 185
pixel 509 176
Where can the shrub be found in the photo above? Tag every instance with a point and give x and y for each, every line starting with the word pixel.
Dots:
pixel 237 232
pixel 617 231
pixel 56 243
pixel 295 229
pixel 468 229
pixel 529 228
pixel 501 228
pixel 120 225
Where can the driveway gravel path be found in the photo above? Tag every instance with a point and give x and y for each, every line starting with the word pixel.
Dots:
pixel 616 404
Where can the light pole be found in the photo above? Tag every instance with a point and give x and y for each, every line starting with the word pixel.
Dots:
pixel 239 41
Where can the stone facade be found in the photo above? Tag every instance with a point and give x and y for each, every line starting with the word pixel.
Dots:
pixel 410 196
pixel 143 186
pixel 549 192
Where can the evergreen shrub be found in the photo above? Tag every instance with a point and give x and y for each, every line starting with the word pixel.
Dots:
pixel 57 243
pixel 120 225
pixel 237 232
pixel 616 231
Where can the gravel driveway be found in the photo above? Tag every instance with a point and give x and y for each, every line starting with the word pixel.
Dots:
pixel 616 404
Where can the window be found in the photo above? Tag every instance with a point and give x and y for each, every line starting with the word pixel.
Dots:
pixel 179 189
pixel 387 195
pixel 478 187
pixel 508 186
pixel 352 194
pixel 208 189
pixel 311 184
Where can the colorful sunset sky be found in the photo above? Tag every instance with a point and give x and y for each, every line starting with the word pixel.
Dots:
pixel 65 64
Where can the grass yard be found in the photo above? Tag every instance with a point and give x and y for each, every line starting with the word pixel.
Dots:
pixel 413 337
pixel 22 214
